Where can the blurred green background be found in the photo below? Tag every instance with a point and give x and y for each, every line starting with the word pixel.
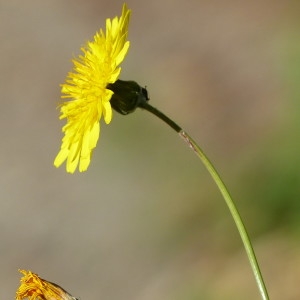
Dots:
pixel 146 221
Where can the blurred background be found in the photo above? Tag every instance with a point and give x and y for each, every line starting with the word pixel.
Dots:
pixel 146 221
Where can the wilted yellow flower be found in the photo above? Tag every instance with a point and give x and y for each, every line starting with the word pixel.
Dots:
pixel 35 288
pixel 89 97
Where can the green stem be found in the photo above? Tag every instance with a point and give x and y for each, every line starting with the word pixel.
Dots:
pixel 225 193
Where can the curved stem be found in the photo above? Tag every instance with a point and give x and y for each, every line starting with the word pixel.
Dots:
pixel 233 210
pixel 225 193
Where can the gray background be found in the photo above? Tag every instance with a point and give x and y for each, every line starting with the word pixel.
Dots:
pixel 146 221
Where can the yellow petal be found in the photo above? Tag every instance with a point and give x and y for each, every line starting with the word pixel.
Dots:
pixel 85 88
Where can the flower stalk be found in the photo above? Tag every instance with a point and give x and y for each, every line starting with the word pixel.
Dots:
pixel 128 96
pixel 225 193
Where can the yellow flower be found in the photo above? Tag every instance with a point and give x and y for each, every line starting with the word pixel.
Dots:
pixel 35 288
pixel 89 97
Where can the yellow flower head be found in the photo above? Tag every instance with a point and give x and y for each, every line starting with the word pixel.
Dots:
pixel 89 97
pixel 35 288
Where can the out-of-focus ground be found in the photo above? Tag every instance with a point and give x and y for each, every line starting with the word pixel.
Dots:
pixel 146 221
